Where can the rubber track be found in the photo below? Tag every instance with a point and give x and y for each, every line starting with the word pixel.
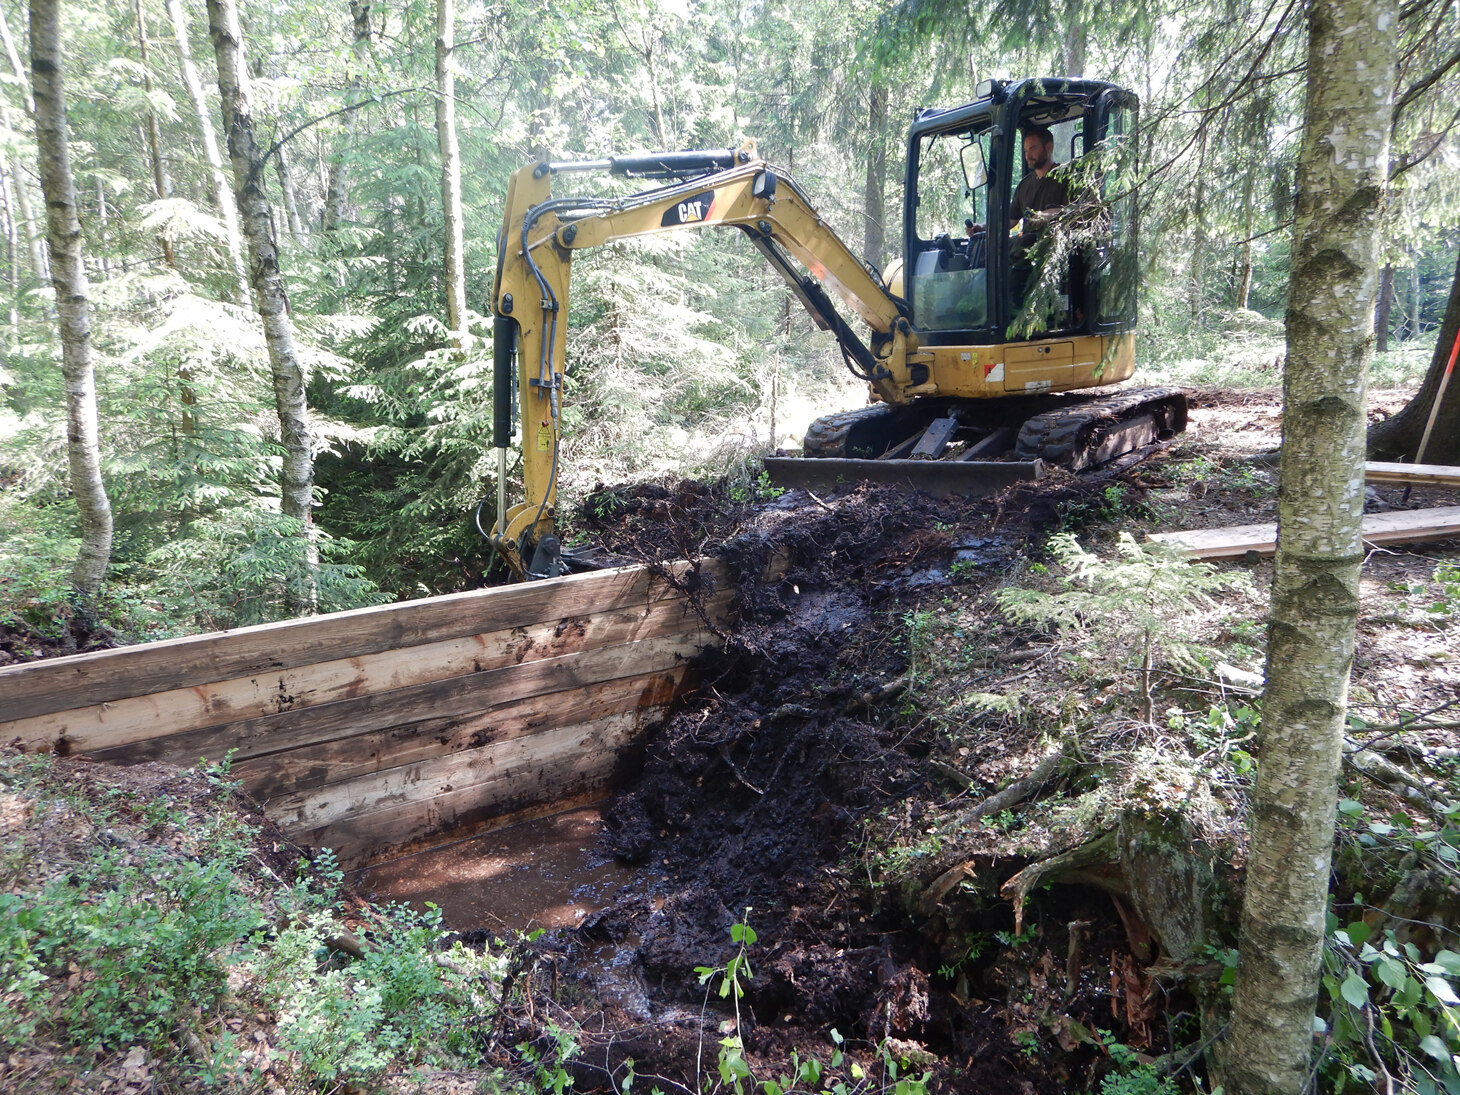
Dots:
pixel 1059 436
pixel 827 436
pixel 1056 436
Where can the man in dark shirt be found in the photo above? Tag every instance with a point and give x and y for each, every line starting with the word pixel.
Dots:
pixel 1038 195
pixel 1038 192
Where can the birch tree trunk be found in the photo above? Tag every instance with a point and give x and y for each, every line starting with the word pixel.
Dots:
pixel 291 202
pixel 334 202
pixel 12 244
pixel 73 318
pixel 103 221
pixel 450 169
pixel 222 192
pixel 296 488
pixel 28 222
pixel 1315 590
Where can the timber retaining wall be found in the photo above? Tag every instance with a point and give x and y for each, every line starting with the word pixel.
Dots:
pixel 379 729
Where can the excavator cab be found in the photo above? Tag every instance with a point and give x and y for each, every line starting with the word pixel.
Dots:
pixel 964 166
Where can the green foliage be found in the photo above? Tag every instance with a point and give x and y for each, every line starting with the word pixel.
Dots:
pixel 1142 1080
pixel 119 948
pixel 1435 603
pixel 923 627
pixel 1150 599
pixel 348 1024
pixel 807 1075
pixel 158 933
pixel 1391 1010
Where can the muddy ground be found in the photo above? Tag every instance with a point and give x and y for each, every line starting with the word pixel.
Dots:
pixel 805 762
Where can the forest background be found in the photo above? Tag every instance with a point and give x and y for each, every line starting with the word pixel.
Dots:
pixel 686 354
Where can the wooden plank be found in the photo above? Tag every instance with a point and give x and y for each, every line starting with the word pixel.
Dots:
pixel 378 852
pixel 1439 475
pixel 350 758
pixel 56 684
pixel 423 819
pixel 537 768
pixel 456 696
pixel 1394 527
pixel 184 709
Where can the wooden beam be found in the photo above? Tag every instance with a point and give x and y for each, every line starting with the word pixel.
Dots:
pixel 59 684
pixel 450 811
pixel 1417 475
pixel 1393 527
pixel 503 776
pixel 203 705
pixel 274 774
pixel 374 852
pixel 377 711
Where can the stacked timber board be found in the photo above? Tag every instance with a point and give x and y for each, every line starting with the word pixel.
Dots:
pixel 1393 527
pixel 379 729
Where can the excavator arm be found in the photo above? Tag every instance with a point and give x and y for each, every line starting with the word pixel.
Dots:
pixel 703 188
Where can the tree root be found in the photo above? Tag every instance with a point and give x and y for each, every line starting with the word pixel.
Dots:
pixel 1093 864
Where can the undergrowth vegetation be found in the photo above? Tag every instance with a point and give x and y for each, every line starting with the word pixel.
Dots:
pixel 147 928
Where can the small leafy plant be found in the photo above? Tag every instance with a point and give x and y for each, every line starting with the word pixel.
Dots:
pixel 808 1075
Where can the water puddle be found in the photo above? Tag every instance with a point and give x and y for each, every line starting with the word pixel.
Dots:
pixel 537 874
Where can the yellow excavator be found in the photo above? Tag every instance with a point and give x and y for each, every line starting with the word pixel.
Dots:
pixel 972 334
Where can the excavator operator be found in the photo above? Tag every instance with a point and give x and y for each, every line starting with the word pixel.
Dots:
pixel 1038 191
pixel 1038 194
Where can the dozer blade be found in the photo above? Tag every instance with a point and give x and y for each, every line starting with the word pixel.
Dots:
pixel 969 478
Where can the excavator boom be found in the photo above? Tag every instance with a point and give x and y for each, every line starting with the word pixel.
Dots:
pixel 733 188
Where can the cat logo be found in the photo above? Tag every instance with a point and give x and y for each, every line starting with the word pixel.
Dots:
pixel 690 211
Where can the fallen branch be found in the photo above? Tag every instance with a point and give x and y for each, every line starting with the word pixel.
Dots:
pixel 1407 785
pixel 1017 791
pixel 1410 749
pixel 881 694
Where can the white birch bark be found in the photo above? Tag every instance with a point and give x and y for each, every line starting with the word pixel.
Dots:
pixel 297 480
pixel 73 313
pixel 1315 594
pixel 455 261
pixel 222 192
pixel 291 201
pixel 28 220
